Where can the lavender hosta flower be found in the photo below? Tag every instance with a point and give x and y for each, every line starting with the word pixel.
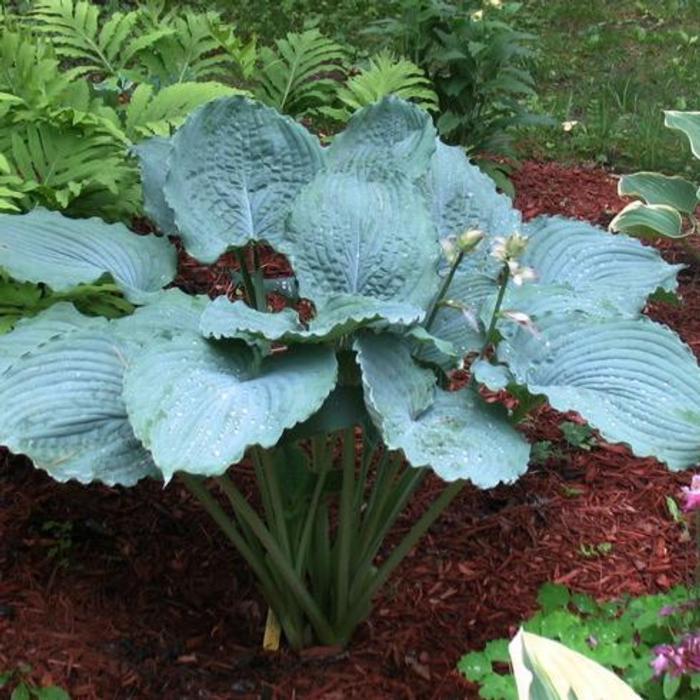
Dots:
pixel 678 660
pixel 691 495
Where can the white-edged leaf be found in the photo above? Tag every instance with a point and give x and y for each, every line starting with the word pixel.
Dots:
pixel 649 221
pixel 61 404
pixel 336 317
pixel 455 433
pixel 689 124
pixel 347 235
pixel 596 263
pixel 198 405
pixel 235 168
pixel 655 188
pixel 45 246
pixel 632 379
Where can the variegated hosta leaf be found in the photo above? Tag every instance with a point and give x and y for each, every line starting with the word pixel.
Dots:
pixel 235 168
pixel 28 334
pixel 689 124
pixel 61 403
pixel 390 136
pixel 632 379
pixel 45 246
pixel 649 221
pixel 374 239
pixel 462 197
pixel 595 263
pixel 197 405
pixel 455 433
pixel 655 188
pixel 153 158
pixel 336 317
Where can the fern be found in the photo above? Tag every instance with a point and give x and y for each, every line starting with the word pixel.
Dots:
pixel 75 31
pixel 302 75
pixel 12 188
pixel 199 46
pixel 150 114
pixel 59 167
pixel 385 75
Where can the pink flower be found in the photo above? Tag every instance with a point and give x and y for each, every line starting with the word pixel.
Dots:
pixel 691 495
pixel 684 658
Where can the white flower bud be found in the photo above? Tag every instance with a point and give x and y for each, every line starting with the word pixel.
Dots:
pixel 470 239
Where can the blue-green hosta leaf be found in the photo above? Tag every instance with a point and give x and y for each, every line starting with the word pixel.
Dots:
pixel 632 379
pixel 434 350
pixel 539 301
pixel 61 404
pixel 337 316
pixel 689 124
pixel 649 221
pixel 596 263
pixel 462 197
pixel 167 314
pixel 197 405
pixel 373 239
pixel 495 377
pixel 655 188
pixel 153 159
pixel 45 246
pixel 455 433
pixel 28 334
pixel 390 136
pixel 462 325
pixel 235 168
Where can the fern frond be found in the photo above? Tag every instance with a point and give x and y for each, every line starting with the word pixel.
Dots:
pixel 199 47
pixel 74 29
pixel 31 79
pixel 388 75
pixel 12 189
pixel 302 73
pixel 58 166
pixel 150 114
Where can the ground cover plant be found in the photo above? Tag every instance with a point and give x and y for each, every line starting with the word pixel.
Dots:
pixel 186 386
pixel 622 635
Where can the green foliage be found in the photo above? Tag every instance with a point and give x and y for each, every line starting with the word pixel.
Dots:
pixel 24 688
pixel 302 73
pixel 620 635
pixel 477 63
pixel 186 386
pixel 578 435
pixel 607 68
pixel 384 75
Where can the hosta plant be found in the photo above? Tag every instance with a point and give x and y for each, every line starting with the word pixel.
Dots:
pixel 665 205
pixel 412 262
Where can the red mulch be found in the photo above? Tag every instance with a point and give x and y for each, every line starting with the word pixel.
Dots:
pixel 147 601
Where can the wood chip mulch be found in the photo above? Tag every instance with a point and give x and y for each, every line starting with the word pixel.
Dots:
pixel 122 594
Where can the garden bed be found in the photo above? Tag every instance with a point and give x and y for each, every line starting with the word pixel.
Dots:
pixel 116 593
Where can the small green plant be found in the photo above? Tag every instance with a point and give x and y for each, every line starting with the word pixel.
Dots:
pixel 478 64
pixel 412 261
pixel 627 636
pixel 578 435
pixel 19 686
pixel 593 551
